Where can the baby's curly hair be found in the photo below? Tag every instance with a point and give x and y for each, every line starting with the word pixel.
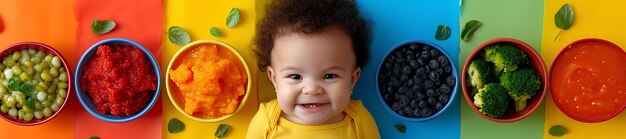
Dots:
pixel 310 17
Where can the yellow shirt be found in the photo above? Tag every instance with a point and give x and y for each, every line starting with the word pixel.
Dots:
pixel 268 124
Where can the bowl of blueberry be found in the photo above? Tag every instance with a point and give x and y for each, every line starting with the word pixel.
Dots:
pixel 416 80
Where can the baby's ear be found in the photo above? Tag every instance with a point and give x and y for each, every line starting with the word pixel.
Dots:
pixel 355 76
pixel 271 75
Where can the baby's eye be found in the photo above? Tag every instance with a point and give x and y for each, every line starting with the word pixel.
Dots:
pixel 330 76
pixel 295 76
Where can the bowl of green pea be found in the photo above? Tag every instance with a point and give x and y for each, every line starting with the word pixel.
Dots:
pixel 35 83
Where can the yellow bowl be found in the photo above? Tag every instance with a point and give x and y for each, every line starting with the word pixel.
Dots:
pixel 174 95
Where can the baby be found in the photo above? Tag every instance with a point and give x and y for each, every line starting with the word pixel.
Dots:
pixel 313 51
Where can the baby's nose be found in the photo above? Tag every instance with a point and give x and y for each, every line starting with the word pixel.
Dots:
pixel 313 89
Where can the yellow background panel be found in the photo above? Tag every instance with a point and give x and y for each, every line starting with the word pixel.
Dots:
pixel 592 19
pixel 197 17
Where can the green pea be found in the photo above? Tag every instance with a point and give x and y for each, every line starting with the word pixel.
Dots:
pixel 20 114
pixel 54 72
pixel 38 106
pixel 16 56
pixel 10 62
pixel 3 90
pixel 11 101
pixel 59 101
pixel 62 70
pixel 35 60
pixel 29 70
pixel 32 51
pixel 46 103
pixel 38 114
pixel 4 108
pixel 28 116
pixel 47 112
pixel 28 63
pixel 56 62
pixel 20 98
pixel 62 85
pixel 27 109
pixel 13 112
pixel 16 70
pixel 40 54
pixel 41 96
pixel 63 77
pixel 25 77
pixel 48 58
pixel 54 107
pixel 46 76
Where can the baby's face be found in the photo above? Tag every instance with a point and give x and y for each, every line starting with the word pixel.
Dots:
pixel 313 75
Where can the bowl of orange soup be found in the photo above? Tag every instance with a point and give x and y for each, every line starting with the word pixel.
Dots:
pixel 587 80
pixel 208 81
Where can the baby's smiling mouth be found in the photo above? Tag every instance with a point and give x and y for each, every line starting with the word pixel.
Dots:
pixel 313 107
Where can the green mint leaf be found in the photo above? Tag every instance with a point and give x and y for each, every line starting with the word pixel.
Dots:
pixel 27 89
pixel 468 30
pixel 30 102
pixel 94 137
pixel 178 36
pixel 175 126
pixel 215 32
pixel 557 130
pixel 564 18
pixel 14 84
pixel 100 27
pixel 442 33
pixel 233 18
pixel 401 128
pixel 222 130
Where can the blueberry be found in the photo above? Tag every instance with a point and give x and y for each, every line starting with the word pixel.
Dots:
pixel 413 46
pixel 433 64
pixel 420 71
pixel 428 84
pixel 434 53
pixel 430 92
pixel 409 57
pixel 438 106
pixel 439 71
pixel 444 98
pixel 406 70
pixel 417 79
pixel 395 82
pixel 422 104
pixel 414 64
pixel 421 61
pixel 416 88
pixel 445 89
pixel 426 112
pixel 404 78
pixel 447 69
pixel 417 112
pixel 436 83
pixel 420 96
pixel 451 80
pixel 400 59
pixel 443 60
pixel 433 76
pixel 410 82
pixel 404 101
pixel 389 89
pixel 387 97
pixel 404 90
pixel 409 52
pixel 424 55
pixel 431 100
pixel 413 103
pixel 427 69
pixel 407 111
pixel 426 47
pixel 396 106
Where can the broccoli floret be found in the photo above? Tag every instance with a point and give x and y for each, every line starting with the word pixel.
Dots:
pixel 492 100
pixel 480 72
pixel 505 57
pixel 521 85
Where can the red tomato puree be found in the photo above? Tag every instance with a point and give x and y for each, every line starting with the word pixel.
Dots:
pixel 587 80
pixel 119 79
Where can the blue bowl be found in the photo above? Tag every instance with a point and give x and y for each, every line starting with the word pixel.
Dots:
pixel 87 102
pixel 453 89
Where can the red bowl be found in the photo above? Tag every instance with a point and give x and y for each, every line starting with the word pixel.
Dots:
pixel 533 103
pixel 45 48
pixel 562 55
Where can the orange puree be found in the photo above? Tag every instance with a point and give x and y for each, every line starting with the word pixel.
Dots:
pixel 588 80
pixel 211 80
